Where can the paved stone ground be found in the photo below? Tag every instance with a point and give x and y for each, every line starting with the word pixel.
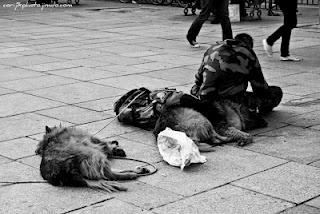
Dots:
pixel 68 65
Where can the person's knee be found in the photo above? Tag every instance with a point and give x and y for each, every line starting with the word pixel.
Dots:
pixel 276 94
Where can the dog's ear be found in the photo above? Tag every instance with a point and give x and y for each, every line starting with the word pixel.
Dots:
pixel 48 129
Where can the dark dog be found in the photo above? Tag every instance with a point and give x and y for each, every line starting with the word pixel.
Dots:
pixel 218 123
pixel 71 157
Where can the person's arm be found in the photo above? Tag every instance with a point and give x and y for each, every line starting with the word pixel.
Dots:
pixel 256 78
pixel 208 89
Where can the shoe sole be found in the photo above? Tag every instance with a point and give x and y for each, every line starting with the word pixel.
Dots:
pixel 264 43
pixel 290 60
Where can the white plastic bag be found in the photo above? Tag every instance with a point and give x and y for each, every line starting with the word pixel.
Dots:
pixel 177 149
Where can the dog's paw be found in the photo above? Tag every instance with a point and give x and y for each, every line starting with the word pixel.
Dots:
pixel 245 141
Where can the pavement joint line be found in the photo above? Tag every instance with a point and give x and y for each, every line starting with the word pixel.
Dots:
pixel 82 207
pixel 313 162
pixel 271 196
pixel 227 183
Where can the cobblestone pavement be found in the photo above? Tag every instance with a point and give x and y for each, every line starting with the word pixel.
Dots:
pixel 68 65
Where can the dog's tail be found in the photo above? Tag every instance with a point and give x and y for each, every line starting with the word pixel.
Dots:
pixel 109 186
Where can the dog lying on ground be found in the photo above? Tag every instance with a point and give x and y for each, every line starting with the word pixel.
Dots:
pixel 71 157
pixel 218 123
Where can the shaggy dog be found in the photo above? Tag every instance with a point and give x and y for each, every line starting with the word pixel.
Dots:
pixel 219 122
pixel 71 157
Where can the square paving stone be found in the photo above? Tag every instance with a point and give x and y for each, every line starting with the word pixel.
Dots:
pixel 28 60
pixel 18 103
pixel 78 92
pixel 292 182
pixel 307 79
pixel 154 66
pixel 302 209
pixel 180 75
pixel 79 54
pixel 34 83
pixel 107 128
pixel 224 165
pixel 100 104
pixel 25 125
pixel 135 81
pixel 300 90
pixel 33 161
pixel 314 202
pixel 83 73
pixel 173 59
pixel 89 63
pixel 18 148
pixel 291 143
pixel 44 198
pixel 316 164
pixel 74 114
pixel 121 60
pixel 227 200
pixel 306 120
pixel 14 171
pixel 146 196
pixel 13 73
pixel 112 206
pixel 122 69
pixel 52 66
pixel 142 136
pixel 6 91
pixel 4 160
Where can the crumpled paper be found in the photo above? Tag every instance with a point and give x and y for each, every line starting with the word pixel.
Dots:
pixel 177 149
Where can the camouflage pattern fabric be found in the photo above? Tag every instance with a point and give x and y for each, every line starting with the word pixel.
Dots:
pixel 225 71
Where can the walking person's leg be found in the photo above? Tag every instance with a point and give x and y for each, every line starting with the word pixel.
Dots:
pixel 206 7
pixel 223 15
pixel 290 22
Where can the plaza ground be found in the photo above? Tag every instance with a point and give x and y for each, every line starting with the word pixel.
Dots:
pixel 68 66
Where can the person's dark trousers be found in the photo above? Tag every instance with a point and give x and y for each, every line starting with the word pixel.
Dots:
pixel 222 13
pixel 289 22
pixel 206 8
pixel 264 102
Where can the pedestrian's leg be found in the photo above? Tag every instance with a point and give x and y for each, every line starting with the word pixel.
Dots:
pixel 290 22
pixel 206 7
pixel 223 15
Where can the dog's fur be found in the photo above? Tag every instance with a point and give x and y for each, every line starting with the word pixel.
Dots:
pixel 225 123
pixel 71 157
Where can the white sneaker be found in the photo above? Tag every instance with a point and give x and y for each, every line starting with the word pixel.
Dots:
pixel 267 48
pixel 290 58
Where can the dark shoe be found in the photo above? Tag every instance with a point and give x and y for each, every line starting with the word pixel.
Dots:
pixel 193 43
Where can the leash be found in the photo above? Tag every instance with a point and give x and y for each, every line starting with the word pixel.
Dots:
pixel 115 117
pixel 155 169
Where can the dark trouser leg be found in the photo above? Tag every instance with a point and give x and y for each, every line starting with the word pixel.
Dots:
pixel 206 7
pixel 289 22
pixel 223 15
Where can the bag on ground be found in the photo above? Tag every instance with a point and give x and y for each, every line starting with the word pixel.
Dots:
pixel 177 149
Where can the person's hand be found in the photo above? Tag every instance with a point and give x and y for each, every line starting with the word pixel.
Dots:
pixel 174 98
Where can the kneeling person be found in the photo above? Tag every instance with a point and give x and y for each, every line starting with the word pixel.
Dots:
pixel 224 74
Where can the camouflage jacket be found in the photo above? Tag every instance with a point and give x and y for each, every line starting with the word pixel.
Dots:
pixel 225 71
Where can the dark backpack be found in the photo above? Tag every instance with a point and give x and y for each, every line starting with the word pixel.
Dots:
pixel 141 107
